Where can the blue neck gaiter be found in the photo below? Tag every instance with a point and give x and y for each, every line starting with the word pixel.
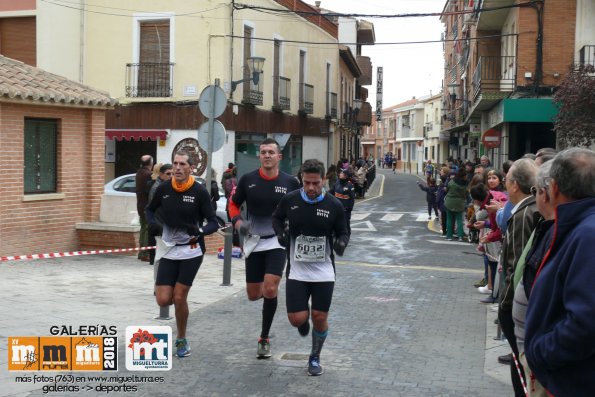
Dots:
pixel 308 199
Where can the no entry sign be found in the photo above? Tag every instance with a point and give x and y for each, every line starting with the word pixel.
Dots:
pixel 491 138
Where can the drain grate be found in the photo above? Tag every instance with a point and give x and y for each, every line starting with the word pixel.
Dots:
pixel 295 356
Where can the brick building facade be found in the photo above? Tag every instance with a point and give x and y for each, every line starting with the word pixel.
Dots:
pixel 42 198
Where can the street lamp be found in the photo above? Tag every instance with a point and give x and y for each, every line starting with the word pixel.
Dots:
pixel 254 65
pixel 357 104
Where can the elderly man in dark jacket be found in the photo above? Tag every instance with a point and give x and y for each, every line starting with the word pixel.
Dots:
pixel 143 176
pixel 519 180
pixel 560 322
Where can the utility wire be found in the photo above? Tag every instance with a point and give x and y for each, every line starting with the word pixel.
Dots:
pixel 375 44
pixel 278 11
pixel 64 3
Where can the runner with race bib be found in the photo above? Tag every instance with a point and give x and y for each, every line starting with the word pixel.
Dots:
pixel 311 224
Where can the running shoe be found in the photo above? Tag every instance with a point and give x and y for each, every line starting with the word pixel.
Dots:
pixel 484 290
pixel 480 283
pixel 304 329
pixel 314 367
pixel 264 348
pixel 182 347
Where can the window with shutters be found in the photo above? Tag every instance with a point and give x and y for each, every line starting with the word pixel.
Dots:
pixel 41 146
pixel 18 39
pixel 152 73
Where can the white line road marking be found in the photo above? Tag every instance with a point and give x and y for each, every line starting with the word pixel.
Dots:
pixel 391 217
pixel 368 226
pixel 359 216
pixel 422 218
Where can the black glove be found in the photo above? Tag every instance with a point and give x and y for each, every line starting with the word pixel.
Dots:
pixel 283 238
pixel 155 229
pixel 244 227
pixel 193 230
pixel 339 246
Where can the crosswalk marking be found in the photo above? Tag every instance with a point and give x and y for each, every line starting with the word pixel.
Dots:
pixel 359 216
pixel 365 226
pixel 422 218
pixel 391 217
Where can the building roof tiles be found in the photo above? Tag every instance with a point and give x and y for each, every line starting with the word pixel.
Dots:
pixel 24 82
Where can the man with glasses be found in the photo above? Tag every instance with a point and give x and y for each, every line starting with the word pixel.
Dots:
pixel 560 321
pixel 523 220
pixel 165 172
pixel 261 190
pixel 529 263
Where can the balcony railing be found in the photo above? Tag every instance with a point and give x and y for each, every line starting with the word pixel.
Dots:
pixel 281 93
pixel 587 55
pixel 346 114
pixel 252 93
pixel 364 114
pixel 331 105
pixel 494 73
pixel 453 75
pixel 306 99
pixel 149 80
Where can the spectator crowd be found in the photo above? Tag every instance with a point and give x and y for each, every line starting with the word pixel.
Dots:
pixel 533 222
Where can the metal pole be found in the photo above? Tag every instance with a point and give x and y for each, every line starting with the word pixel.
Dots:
pixel 227 247
pixel 211 134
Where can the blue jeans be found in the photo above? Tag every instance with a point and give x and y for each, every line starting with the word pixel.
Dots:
pixel 450 217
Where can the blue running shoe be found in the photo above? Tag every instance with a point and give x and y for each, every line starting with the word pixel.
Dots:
pixel 314 367
pixel 183 347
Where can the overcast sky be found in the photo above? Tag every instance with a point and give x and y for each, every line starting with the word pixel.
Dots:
pixel 409 69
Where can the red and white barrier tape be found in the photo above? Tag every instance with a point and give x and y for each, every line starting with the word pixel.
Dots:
pixel 74 253
pixel 521 377
pixel 79 253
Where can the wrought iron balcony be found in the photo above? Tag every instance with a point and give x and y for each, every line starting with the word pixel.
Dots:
pixel 252 93
pixel 494 74
pixel 346 115
pixel 331 105
pixel 364 114
pixel 149 80
pixel 281 93
pixel 306 99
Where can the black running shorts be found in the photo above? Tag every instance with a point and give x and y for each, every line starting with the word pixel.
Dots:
pixel 299 292
pixel 172 271
pixel 265 262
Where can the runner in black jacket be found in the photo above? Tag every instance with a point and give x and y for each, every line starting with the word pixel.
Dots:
pixel 184 205
pixel 311 224
pixel 262 190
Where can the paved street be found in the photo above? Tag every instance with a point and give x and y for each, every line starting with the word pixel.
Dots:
pixel 405 319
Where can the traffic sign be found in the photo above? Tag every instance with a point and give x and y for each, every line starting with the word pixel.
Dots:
pixel 491 138
pixel 215 94
pixel 218 135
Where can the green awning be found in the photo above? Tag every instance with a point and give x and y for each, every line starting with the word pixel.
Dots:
pixel 529 110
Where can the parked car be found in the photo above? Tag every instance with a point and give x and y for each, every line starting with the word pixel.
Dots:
pixel 125 185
